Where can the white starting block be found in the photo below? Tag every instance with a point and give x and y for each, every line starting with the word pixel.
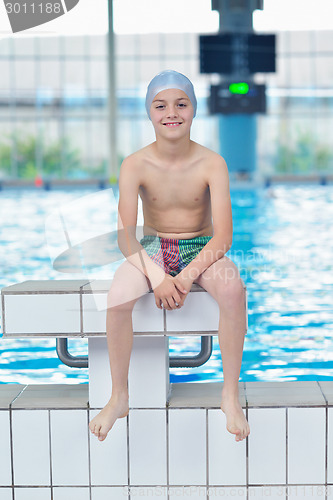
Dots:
pixel 77 308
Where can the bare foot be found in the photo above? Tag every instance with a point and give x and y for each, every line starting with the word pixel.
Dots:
pixel 103 422
pixel 236 421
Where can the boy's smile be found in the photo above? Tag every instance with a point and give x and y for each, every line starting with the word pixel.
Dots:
pixel 172 124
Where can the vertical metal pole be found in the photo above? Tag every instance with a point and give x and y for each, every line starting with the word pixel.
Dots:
pixel 112 171
pixel 40 142
pixel 89 152
pixel 60 105
pixel 14 171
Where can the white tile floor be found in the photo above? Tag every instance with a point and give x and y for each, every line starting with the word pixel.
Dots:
pixel 70 456
pixel 330 447
pixel 224 452
pixel 32 493
pixel 31 447
pixel 265 443
pixel 110 493
pixel 147 431
pixel 5 458
pixel 187 446
pixel 6 494
pixel 112 451
pixel 71 494
pixel 180 451
pixel 267 492
pixel 306 445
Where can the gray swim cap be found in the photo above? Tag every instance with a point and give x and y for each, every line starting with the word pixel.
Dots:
pixel 170 79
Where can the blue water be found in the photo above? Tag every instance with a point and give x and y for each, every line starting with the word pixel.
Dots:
pixel 282 244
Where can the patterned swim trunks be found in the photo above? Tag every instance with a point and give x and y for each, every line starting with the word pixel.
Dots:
pixel 172 254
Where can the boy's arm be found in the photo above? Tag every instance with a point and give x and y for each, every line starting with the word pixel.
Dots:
pixel 218 180
pixel 129 183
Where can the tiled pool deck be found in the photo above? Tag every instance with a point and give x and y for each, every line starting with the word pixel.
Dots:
pixel 180 451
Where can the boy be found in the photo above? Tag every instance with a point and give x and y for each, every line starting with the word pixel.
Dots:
pixel 184 189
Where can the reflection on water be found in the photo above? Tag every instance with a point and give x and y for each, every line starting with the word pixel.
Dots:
pixel 282 245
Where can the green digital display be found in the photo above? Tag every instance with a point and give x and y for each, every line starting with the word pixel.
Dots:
pixel 239 88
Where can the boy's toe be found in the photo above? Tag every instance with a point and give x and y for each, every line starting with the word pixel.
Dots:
pixel 101 435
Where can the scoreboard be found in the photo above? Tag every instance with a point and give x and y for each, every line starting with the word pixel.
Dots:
pixel 237 53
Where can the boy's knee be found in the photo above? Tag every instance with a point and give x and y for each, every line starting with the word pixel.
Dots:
pixel 232 290
pixel 128 285
pixel 118 299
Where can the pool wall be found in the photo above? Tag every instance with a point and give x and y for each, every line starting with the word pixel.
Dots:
pixel 180 451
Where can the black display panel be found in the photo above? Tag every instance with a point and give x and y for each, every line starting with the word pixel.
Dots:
pixel 262 54
pixel 229 53
pixel 225 101
pixel 215 54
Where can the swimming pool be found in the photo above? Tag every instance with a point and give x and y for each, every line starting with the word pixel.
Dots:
pixel 282 244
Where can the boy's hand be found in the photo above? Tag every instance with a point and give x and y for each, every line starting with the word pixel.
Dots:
pixel 184 286
pixel 170 293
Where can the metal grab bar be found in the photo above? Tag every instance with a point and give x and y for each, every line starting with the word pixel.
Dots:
pixel 174 361
pixel 194 361
pixel 67 358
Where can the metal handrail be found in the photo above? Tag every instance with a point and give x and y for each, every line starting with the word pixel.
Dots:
pixel 174 361
pixel 67 358
pixel 194 361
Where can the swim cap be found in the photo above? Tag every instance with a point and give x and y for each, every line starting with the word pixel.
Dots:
pixel 170 79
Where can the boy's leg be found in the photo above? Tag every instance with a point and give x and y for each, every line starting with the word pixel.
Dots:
pixel 128 285
pixel 223 282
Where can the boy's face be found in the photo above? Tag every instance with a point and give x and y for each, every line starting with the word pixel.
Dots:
pixel 171 113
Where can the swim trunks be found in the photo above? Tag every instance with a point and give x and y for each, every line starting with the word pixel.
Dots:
pixel 172 254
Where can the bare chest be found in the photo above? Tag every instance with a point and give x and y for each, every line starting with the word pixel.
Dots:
pixel 165 191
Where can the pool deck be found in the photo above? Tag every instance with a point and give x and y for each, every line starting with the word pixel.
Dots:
pixel 182 450
pixel 237 179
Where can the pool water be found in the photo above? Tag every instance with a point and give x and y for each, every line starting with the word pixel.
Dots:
pixel 282 245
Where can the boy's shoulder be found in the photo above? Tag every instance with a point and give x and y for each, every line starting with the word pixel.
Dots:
pixel 209 156
pixel 133 167
pixel 135 159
